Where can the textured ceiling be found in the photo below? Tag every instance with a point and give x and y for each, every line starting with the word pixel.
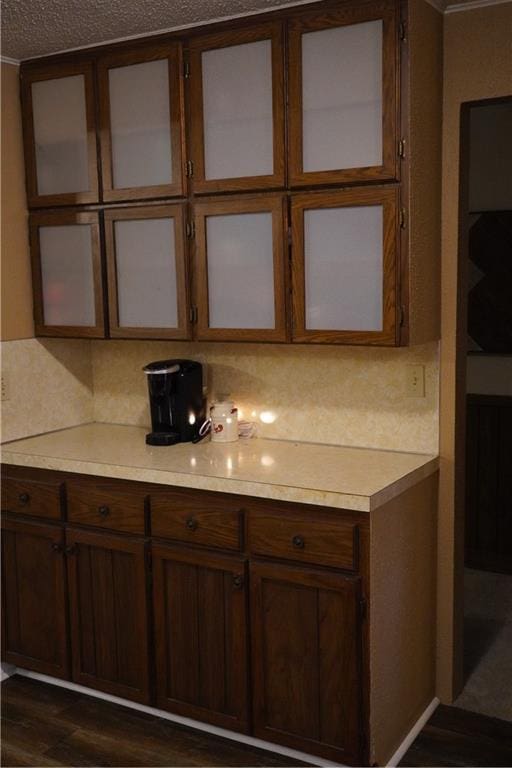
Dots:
pixel 38 27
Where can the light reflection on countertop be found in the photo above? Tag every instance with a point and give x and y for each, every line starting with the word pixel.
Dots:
pixel 345 477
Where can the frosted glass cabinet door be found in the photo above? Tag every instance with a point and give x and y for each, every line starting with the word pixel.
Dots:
pixel 141 120
pixel 240 270
pixel 60 139
pixel 237 97
pixel 66 268
pixel 146 272
pixel 344 257
pixel 342 80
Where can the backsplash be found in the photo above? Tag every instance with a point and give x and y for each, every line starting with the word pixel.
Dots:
pixel 49 386
pixel 337 395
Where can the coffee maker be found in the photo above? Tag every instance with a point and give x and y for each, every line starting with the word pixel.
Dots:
pixel 176 401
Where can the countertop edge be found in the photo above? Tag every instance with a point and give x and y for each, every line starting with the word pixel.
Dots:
pixel 227 485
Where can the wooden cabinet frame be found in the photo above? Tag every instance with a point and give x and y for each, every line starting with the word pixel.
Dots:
pixel 173 53
pixel 388 197
pixel 326 19
pixel 55 72
pixel 273 31
pixel 273 203
pixel 176 212
pixel 59 218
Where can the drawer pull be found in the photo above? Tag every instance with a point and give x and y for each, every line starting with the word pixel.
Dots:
pixel 191 524
pixel 104 511
pixel 238 581
pixel 298 542
pixel 57 547
pixel 24 498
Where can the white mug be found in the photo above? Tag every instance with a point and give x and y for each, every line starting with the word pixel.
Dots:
pixel 224 419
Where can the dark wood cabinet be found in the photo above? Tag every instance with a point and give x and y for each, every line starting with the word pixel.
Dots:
pixel 108 613
pixel 306 655
pixel 200 607
pixel 34 630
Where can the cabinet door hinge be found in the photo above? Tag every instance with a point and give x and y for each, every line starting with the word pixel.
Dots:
pixel 186 69
pixel 402 31
pixel 289 236
pixel 401 148
pixel 190 229
pixel 402 316
pixel 192 314
pixel 362 608
pixel 189 169
pixel 402 218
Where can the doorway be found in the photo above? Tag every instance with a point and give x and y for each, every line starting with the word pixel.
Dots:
pixel 485 252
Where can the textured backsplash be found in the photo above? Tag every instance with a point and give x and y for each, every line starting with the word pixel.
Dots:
pixel 340 395
pixel 49 386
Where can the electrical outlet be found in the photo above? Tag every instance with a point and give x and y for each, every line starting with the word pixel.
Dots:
pixel 415 383
pixel 5 388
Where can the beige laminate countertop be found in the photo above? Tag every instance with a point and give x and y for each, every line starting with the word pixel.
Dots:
pixel 308 473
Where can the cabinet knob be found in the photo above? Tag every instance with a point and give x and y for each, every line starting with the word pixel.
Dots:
pixel 57 547
pixel 24 498
pixel 238 581
pixel 70 549
pixel 191 524
pixel 104 511
pixel 298 542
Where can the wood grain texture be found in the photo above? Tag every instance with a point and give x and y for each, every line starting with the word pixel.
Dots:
pixel 247 34
pixel 45 725
pixel 173 54
pixel 201 636
pixel 31 497
pixel 197 518
pixel 63 218
pixel 34 627
pixel 306 674
pixel 264 203
pixel 177 214
pixel 316 538
pixel 388 198
pixel 36 73
pixel 108 612
pixel 106 504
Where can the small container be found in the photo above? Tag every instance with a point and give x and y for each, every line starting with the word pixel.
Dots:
pixel 224 417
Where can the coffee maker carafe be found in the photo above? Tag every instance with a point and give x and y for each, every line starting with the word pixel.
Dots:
pixel 176 401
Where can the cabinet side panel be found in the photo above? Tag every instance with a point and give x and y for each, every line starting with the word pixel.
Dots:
pixel 403 544
pixel 425 41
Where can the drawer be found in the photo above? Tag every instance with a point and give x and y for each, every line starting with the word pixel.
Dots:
pixel 210 520
pixel 304 537
pixel 106 504
pixel 31 497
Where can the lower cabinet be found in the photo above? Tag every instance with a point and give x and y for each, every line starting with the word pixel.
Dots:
pixel 34 631
pixel 108 613
pixel 200 609
pixel 306 659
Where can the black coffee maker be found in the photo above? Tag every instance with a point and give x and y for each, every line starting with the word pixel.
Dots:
pixel 175 400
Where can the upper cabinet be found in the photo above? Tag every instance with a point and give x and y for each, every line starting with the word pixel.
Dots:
pixel 342 95
pixel 66 274
pixel 60 134
pixel 237 109
pixel 141 123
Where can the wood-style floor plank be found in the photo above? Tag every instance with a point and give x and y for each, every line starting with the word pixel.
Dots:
pixel 79 730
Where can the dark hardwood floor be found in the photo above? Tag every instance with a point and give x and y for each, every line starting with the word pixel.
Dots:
pixel 45 725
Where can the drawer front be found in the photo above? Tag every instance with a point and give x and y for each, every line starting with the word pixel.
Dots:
pixel 29 497
pixel 197 518
pixel 106 505
pixel 306 538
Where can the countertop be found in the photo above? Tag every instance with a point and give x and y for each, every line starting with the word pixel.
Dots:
pixel 360 479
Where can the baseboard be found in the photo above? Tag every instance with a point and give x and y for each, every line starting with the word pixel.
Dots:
pixel 415 730
pixel 6 671
pixel 196 724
